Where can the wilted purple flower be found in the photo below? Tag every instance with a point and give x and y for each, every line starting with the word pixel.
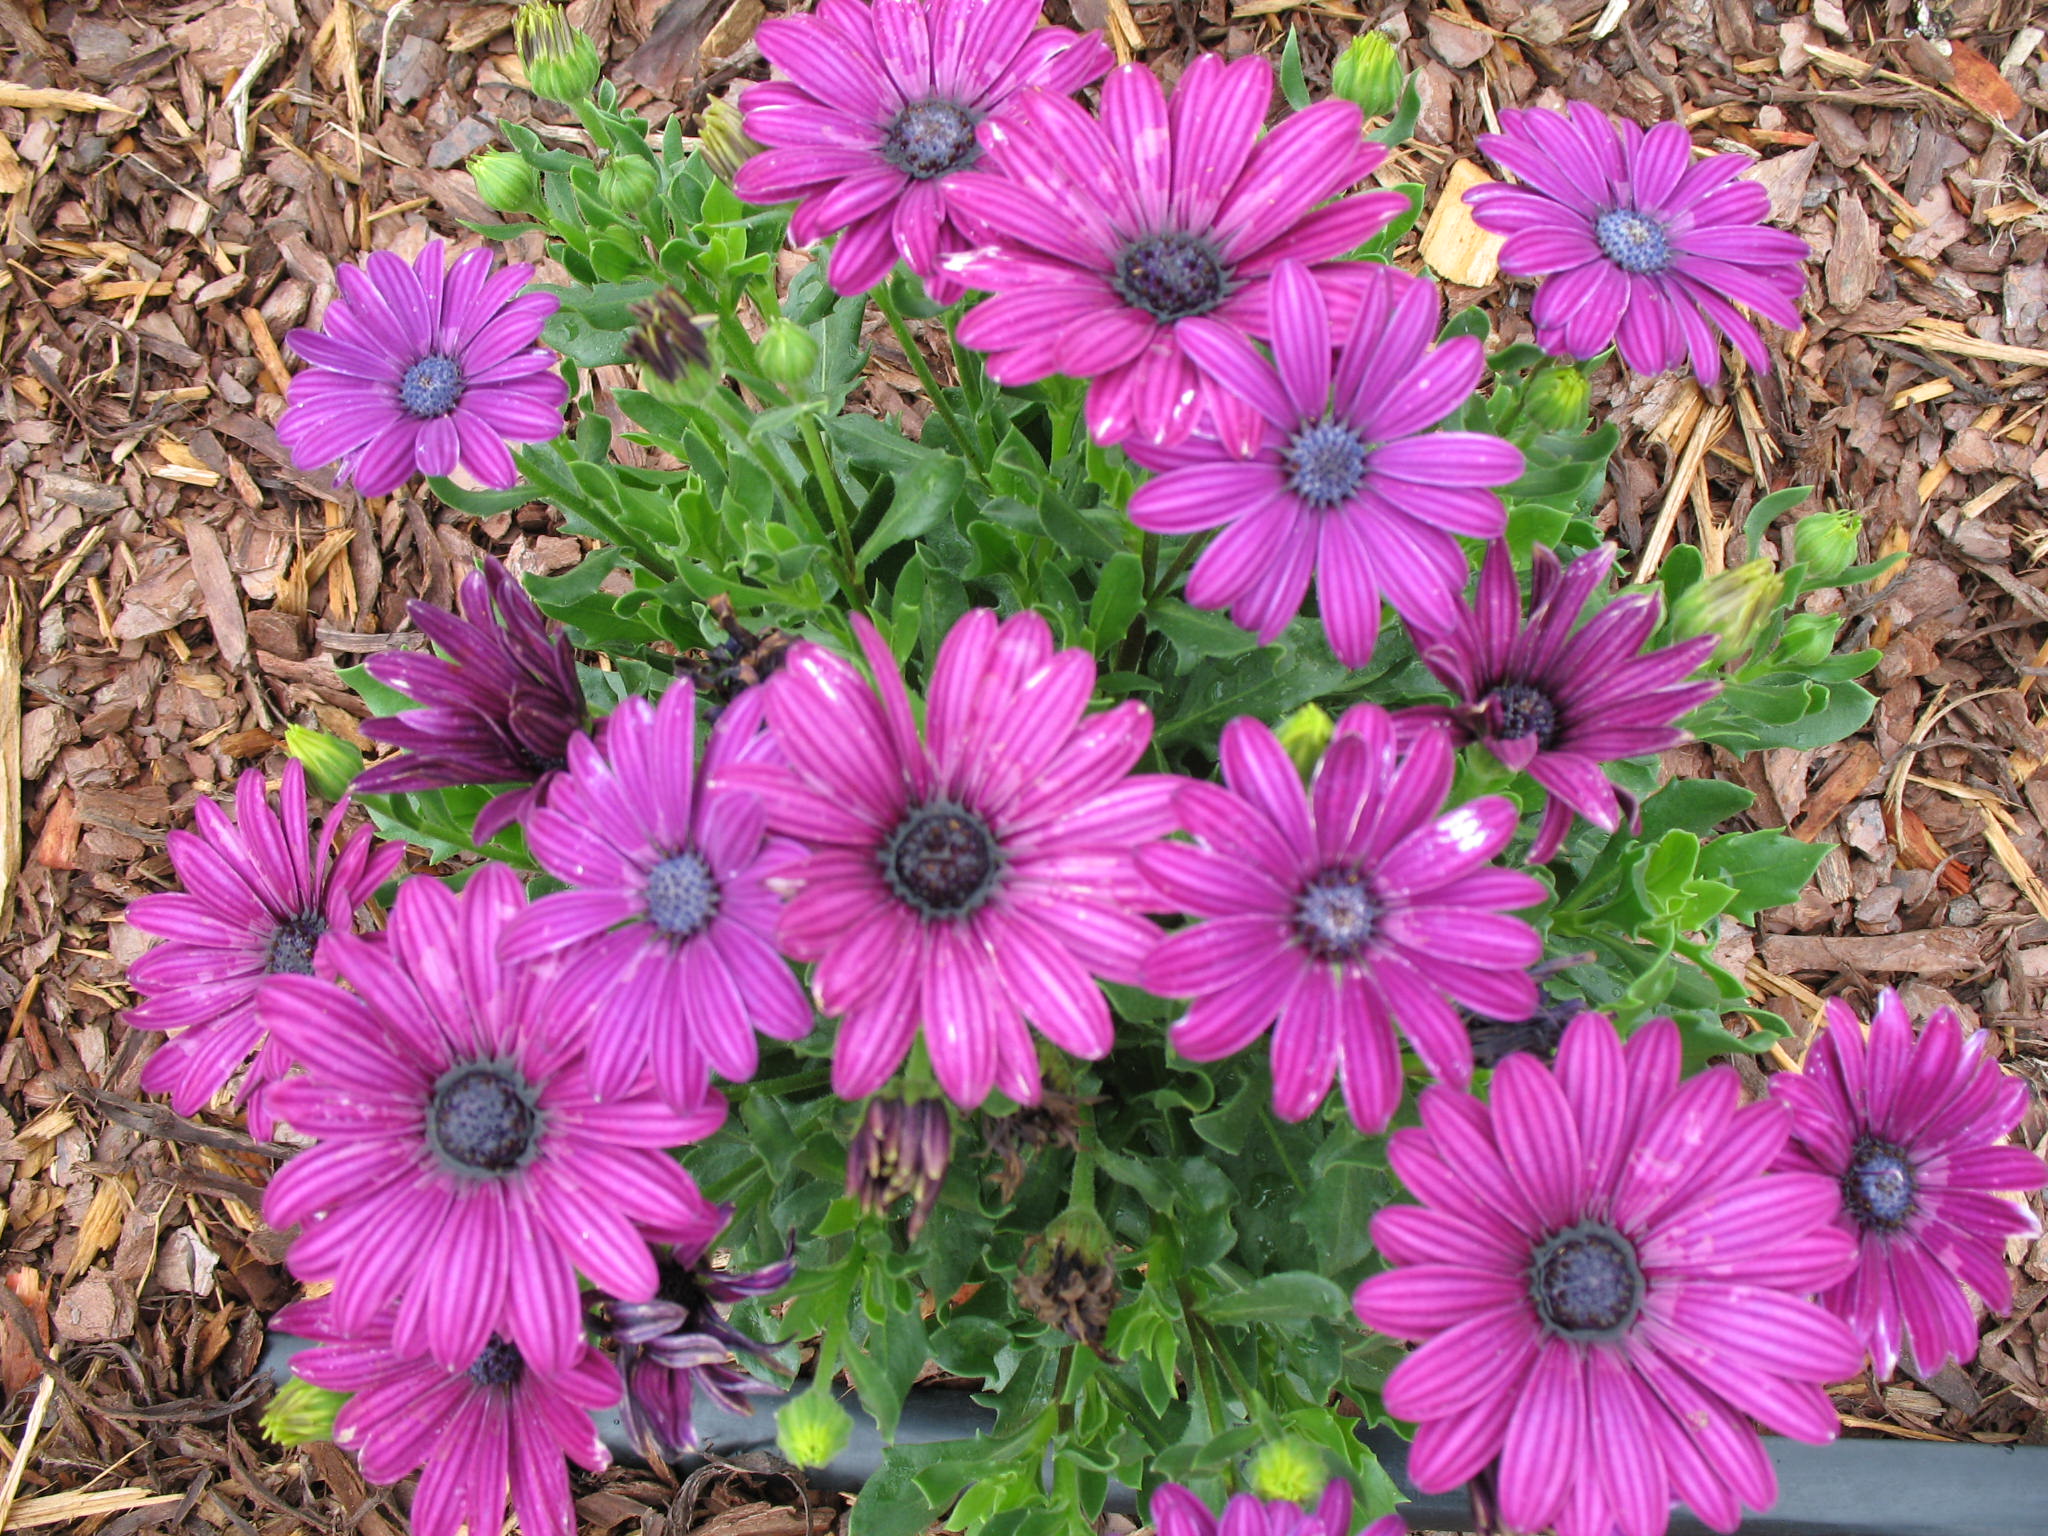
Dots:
pixel 259 896
pixel 501 701
pixel 1555 702
pixel 971 881
pixel 903 1148
pixel 420 370
pixel 1343 911
pixel 678 1344
pixel 1176 1511
pixel 1101 237
pixel 1651 252
pixel 879 114
pixel 667 932
pixel 476 1429
pixel 1912 1137
pixel 465 1170
pixel 1609 1287
pixel 1332 471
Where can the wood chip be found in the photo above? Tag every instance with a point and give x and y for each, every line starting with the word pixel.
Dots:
pixel 63 1508
pixel 1453 245
pixel 1860 765
pixel 1928 952
pixel 218 594
pixel 37 96
pixel 1977 81
pixel 2013 861
pixel 10 755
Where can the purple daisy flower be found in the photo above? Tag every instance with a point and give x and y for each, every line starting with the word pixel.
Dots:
pixel 477 1429
pixel 1650 253
pixel 424 370
pixel 972 880
pixel 679 1344
pixel 1176 1511
pixel 1912 1137
pixel 259 896
pixel 1555 702
pixel 1609 1286
pixel 1332 472
pixel 669 924
pixel 879 114
pixel 502 701
pixel 1342 911
pixel 465 1169
pixel 1101 237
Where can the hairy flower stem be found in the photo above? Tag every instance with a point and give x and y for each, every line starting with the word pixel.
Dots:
pixel 969 446
pixel 835 502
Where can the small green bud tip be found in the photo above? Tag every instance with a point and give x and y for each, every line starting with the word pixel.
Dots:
pixel 561 63
pixel 722 140
pixel 628 183
pixel 1304 735
pixel 786 353
pixel 1735 605
pixel 1825 543
pixel 1369 73
pixel 301 1412
pixel 1288 1469
pixel 504 181
pixel 812 1429
pixel 331 763
pixel 1556 399
pixel 1080 1233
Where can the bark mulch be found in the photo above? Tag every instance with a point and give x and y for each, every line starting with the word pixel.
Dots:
pixel 177 186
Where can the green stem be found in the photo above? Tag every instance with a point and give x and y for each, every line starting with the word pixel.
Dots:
pixel 835 502
pixel 1279 1146
pixel 968 445
pixel 736 416
pixel 1181 561
pixel 1254 1403
pixel 1082 1195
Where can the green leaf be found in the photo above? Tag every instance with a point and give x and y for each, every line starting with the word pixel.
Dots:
pixel 382 699
pixel 1119 594
pixel 1768 511
pixel 1765 869
pixel 924 494
pixel 1293 83
pixel 1290 1297
pixel 1696 805
pixel 1198 634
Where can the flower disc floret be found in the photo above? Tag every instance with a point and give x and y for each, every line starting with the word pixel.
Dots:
pixel 1338 913
pixel 1608 1285
pixel 421 369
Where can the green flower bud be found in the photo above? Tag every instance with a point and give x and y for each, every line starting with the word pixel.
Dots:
pixel 504 181
pixel 1556 399
pixel 1288 1469
pixel 722 140
pixel 1734 605
pixel 301 1412
pixel 628 183
pixel 331 763
pixel 1369 73
pixel 1305 734
pixel 561 63
pixel 787 353
pixel 812 1429
pixel 1825 543
pixel 669 346
pixel 1809 638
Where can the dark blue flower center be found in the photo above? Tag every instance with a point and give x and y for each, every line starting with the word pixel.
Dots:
pixel 1325 463
pixel 1334 915
pixel 942 861
pixel 1633 241
pixel 1586 1282
pixel 930 138
pixel 681 895
pixel 483 1118
pixel 1170 276
pixel 1878 1185
pixel 500 1364
pixel 431 387
pixel 292 946
pixel 1515 710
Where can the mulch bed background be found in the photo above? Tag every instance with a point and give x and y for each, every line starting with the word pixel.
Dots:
pixel 177 186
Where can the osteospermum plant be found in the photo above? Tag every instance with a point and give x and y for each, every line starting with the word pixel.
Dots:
pixel 978 896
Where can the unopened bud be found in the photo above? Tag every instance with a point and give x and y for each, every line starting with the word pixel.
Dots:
pixel 1809 638
pixel 561 63
pixel 504 181
pixel 301 1412
pixel 1289 1469
pixel 628 183
pixel 722 140
pixel 1369 74
pixel 669 346
pixel 1304 735
pixel 786 353
pixel 1825 543
pixel 331 764
pixel 903 1148
pixel 812 1429
pixel 1556 398
pixel 1734 605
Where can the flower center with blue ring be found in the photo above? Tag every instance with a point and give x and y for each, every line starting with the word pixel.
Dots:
pixel 1335 915
pixel 1878 1185
pixel 1325 464
pixel 1170 276
pixel 431 387
pixel 930 138
pixel 292 946
pixel 1633 241
pixel 1515 710
pixel 682 895
pixel 483 1119
pixel 1586 1282
pixel 499 1365
pixel 941 860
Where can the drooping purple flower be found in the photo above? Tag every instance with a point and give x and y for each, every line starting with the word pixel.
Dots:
pixel 878 115
pixel 1176 1511
pixel 259 896
pixel 1101 238
pixel 667 932
pixel 464 1169
pixel 1913 1137
pixel 1609 1286
pixel 1649 251
pixel 420 370
pixel 1343 911
pixel 1331 471
pixel 972 881
pixel 501 702
pixel 1557 702
pixel 494 1424
pixel 679 1344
